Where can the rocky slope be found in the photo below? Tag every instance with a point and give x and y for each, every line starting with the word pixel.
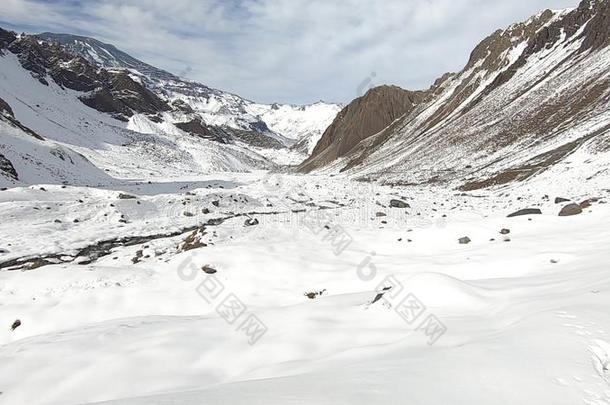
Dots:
pixel 98 101
pixel 105 118
pixel 362 118
pixel 284 123
pixel 533 98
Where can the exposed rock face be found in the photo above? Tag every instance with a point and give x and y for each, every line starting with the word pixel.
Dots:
pixel 120 94
pixel 198 128
pixel 112 92
pixel 97 52
pixel 530 96
pixel 362 118
pixel 7 169
pixel 6 109
pixel 219 111
pixel 6 115
pixel 6 37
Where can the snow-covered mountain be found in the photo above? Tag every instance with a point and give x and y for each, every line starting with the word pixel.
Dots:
pixel 115 122
pixel 284 122
pixel 533 98
pixel 102 103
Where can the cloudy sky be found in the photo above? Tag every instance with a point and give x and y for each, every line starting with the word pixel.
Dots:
pixel 295 51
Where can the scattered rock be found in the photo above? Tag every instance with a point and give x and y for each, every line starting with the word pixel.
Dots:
pixel 193 241
pixel 216 203
pixel 315 294
pixel 587 203
pixel 188 214
pixel 380 294
pixel 138 257
pixel 205 211
pixel 570 210
pixel 526 211
pixel 399 204
pixel 16 324
pixel 381 214
pixel 36 263
pixel 465 240
pixel 505 231
pixel 560 200
pixel 209 269
pixel 251 222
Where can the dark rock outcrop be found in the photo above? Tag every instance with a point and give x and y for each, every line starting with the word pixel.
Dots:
pixel 465 240
pixel 362 118
pixel 113 92
pixel 399 204
pixel 570 210
pixel 6 109
pixel 7 169
pixel 198 128
pixel 526 211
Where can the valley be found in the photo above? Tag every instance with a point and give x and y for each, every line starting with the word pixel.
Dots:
pixel 164 242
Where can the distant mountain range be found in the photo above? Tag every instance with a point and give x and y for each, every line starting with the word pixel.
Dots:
pixel 99 102
pixel 287 123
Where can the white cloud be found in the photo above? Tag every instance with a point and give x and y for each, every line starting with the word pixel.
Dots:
pixel 286 50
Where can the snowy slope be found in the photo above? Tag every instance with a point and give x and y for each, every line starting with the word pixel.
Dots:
pixel 531 97
pixel 132 328
pixel 286 123
pixel 38 161
pixel 58 115
pixel 298 123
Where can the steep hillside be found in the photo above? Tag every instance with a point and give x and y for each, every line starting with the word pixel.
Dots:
pixel 54 94
pixel 362 118
pixel 533 97
pixel 27 158
pixel 285 123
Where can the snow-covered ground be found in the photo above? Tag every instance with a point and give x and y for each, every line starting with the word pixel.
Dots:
pixel 510 318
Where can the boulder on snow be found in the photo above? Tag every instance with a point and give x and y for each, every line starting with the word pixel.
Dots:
pixel 505 231
pixel 399 204
pixel 560 200
pixel 251 222
pixel 209 269
pixel 465 240
pixel 381 214
pixel 123 196
pixel 570 209
pixel 526 211
pixel 587 203
pixel 16 324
